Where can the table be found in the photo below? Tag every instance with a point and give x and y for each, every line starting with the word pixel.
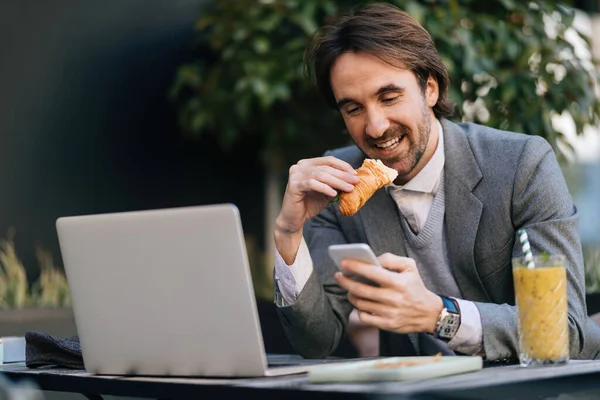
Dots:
pixel 579 379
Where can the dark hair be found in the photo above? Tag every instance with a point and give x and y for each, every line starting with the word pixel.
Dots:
pixel 387 33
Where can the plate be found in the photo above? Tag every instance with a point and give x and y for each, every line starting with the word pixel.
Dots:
pixel 395 369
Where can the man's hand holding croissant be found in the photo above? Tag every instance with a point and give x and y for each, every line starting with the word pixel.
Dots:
pixel 312 183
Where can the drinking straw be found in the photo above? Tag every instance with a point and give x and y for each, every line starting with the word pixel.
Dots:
pixel 526 248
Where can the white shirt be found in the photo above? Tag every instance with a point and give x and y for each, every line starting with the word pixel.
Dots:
pixel 415 200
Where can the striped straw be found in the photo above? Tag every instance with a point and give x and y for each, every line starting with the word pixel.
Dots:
pixel 526 248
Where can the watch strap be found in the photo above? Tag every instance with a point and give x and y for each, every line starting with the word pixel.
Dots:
pixel 450 304
pixel 449 320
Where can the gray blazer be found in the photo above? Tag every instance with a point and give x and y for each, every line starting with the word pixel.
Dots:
pixel 496 182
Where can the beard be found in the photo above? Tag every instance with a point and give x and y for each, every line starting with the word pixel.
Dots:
pixel 405 162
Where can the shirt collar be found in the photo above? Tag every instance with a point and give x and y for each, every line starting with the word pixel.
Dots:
pixel 426 181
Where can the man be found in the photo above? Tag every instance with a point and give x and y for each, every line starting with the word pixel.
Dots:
pixel 445 231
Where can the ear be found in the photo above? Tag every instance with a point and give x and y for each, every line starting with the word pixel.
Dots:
pixel 432 91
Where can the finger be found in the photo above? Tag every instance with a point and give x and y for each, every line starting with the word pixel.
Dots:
pixel 368 305
pixel 352 285
pixel 332 176
pixel 396 263
pixel 343 280
pixel 313 185
pixel 331 161
pixel 327 175
pixel 338 173
pixel 362 290
pixel 374 320
pixel 382 296
pixel 300 179
pixel 371 272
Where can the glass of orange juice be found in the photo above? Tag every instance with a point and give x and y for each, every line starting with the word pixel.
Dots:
pixel 541 298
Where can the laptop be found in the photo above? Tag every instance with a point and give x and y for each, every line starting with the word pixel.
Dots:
pixel 165 293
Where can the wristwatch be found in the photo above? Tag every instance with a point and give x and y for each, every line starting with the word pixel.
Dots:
pixel 448 321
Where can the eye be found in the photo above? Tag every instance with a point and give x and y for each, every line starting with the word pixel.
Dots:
pixel 390 99
pixel 353 110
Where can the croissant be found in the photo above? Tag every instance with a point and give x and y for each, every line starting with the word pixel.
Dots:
pixel 373 174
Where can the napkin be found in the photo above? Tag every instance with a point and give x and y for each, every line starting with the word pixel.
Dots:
pixel 42 349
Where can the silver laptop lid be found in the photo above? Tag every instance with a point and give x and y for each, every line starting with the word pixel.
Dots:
pixel 163 292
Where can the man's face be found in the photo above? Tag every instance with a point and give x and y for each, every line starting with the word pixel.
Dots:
pixel 387 114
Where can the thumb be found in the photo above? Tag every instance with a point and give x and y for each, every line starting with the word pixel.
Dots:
pixel 396 263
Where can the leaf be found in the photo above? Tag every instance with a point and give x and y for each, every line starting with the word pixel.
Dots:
pixel 261 45
pixel 416 10
pixel 199 121
pixel 305 19
pixel 567 15
pixel 204 21
pixel 544 257
pixel 508 93
pixel 336 199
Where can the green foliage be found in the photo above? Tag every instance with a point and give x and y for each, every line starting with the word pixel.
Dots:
pixel 513 58
pixel 261 270
pixel 544 257
pixel 14 288
pixel 252 83
pixel 336 199
pixel 591 262
pixel 509 69
pixel 50 290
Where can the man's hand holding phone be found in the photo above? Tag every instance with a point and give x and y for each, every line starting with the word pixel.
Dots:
pixel 354 251
pixel 395 298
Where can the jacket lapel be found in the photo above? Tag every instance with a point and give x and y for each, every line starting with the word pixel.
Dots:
pixel 463 211
pixel 381 221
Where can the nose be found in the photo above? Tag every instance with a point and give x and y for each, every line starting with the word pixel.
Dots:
pixel 376 123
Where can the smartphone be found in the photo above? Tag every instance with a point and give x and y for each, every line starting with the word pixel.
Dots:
pixel 355 251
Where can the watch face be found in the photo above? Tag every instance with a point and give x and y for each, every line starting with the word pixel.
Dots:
pixel 449 325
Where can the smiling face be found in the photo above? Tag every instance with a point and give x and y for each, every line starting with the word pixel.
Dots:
pixel 386 112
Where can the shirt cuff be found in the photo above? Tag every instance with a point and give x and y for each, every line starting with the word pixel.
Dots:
pixel 469 337
pixel 290 279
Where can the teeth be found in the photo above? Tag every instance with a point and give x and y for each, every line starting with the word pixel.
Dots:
pixel 389 143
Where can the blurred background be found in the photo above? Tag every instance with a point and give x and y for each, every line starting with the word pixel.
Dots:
pixel 130 105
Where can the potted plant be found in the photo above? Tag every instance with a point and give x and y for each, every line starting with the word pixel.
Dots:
pixel 43 306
